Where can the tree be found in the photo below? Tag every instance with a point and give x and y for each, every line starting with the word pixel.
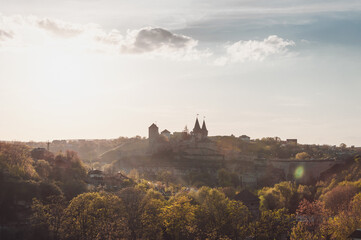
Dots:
pixel 166 176
pixel 229 192
pixel 300 232
pixel 283 195
pixel 238 220
pixel 95 216
pixel 16 161
pixel 50 215
pixel 48 191
pixel 151 209
pixel 218 217
pixel 132 199
pixel 71 174
pixel 178 218
pixel 343 145
pixel 312 213
pixel 313 216
pixel 302 156
pixel 339 197
pixel 212 214
pixel 273 224
pixel 151 219
pixel 347 221
pixel 43 168
pixel 73 187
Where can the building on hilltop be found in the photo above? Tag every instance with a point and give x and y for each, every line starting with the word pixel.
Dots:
pixel 158 142
pixel 251 201
pixel 199 133
pixel 356 235
pixel 245 138
pixel 41 153
pixel 153 131
pixel 166 133
pixel 204 129
pixel 95 177
pixel 292 142
pixel 198 138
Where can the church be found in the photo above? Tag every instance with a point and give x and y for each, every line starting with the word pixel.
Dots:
pixel 199 133
pixel 196 135
pixel 195 146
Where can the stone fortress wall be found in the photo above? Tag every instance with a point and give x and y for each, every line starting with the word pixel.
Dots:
pixel 183 152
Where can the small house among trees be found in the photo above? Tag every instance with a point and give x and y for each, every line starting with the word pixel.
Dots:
pixel 356 235
pixel 250 200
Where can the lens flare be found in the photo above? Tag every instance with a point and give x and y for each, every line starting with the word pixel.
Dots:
pixel 299 172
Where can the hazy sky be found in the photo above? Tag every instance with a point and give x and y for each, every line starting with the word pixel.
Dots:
pixel 109 68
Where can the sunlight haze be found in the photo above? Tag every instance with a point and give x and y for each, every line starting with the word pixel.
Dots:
pixel 103 69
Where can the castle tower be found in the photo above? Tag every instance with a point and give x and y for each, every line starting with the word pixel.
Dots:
pixel 204 129
pixel 166 133
pixel 153 134
pixel 197 131
pixel 197 127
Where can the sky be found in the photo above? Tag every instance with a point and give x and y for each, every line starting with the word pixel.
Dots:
pixel 77 69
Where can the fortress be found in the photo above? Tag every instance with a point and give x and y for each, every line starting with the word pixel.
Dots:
pixel 184 153
pixel 197 135
pixel 194 148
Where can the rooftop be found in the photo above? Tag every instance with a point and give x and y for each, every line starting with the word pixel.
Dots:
pixel 246 196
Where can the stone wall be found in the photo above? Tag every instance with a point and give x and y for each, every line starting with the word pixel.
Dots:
pixel 305 170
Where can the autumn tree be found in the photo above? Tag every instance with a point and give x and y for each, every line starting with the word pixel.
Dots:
pixel 47 191
pixel 238 220
pixel 95 216
pixel 302 156
pixel 132 199
pixel 151 221
pixel 71 174
pixel 283 195
pixel 312 217
pixel 218 217
pixel 343 146
pixel 43 168
pixel 347 221
pixel 49 216
pixel 301 232
pixel 16 161
pixel 178 218
pixel 273 225
pixel 339 197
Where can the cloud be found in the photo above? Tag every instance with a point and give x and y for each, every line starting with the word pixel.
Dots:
pixel 114 37
pixel 5 35
pixel 60 28
pixel 155 42
pixel 254 50
pixel 152 39
pixel 159 42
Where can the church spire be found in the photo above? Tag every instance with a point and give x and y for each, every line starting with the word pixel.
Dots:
pixel 204 125
pixel 197 127
pixel 204 128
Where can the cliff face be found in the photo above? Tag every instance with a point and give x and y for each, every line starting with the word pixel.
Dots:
pixel 182 157
pixel 306 170
pixel 175 156
pixel 137 147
